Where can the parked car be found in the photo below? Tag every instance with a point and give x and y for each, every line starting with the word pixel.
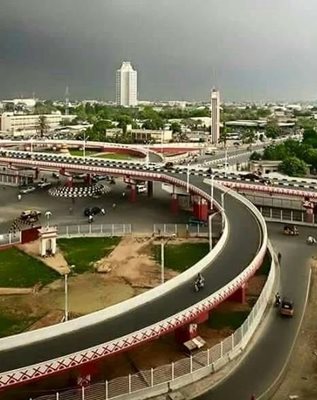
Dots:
pixel 27 189
pixel 287 307
pixel 55 175
pixel 210 152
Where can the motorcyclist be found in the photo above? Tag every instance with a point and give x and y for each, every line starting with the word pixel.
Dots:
pixel 200 280
pixel 311 240
pixel 277 299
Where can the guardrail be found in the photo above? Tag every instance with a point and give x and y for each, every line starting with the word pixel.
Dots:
pixel 94 230
pixel 160 380
pixel 287 216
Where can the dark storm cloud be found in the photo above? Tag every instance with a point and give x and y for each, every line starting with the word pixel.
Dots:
pixel 251 49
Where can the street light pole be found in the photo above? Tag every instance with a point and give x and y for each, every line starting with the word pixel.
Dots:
pixel 187 180
pixel 226 160
pixel 212 177
pixel 210 228
pixel 66 296
pixel 162 262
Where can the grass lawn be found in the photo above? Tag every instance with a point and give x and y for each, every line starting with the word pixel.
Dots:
pixel 77 152
pixel 117 156
pixel 10 325
pixel 180 257
pixel 232 320
pixel 18 269
pixel 83 251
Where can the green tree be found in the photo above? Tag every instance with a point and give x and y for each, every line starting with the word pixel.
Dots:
pixel 176 127
pixel 255 156
pixel 248 136
pixel 272 129
pixel 310 137
pixel 42 126
pixel 293 166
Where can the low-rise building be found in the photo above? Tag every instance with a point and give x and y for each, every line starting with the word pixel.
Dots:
pixel 28 124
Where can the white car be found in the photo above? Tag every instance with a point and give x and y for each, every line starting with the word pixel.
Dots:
pixel 44 185
pixel 141 188
pixel 28 189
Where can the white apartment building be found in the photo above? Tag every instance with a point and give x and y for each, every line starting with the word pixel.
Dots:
pixel 215 116
pixel 27 124
pixel 126 85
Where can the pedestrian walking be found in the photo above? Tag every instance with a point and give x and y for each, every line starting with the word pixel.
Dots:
pixel 123 194
pixel 114 206
pixel 279 257
pixel 103 211
pixel 19 197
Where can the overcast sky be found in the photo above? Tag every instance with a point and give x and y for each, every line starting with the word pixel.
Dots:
pixel 250 49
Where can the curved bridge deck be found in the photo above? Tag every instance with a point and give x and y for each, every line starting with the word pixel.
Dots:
pixel 240 249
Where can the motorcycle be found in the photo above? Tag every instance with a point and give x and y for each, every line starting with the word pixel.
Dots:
pixel 311 240
pixel 198 285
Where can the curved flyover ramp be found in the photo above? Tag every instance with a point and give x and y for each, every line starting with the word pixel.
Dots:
pixel 239 251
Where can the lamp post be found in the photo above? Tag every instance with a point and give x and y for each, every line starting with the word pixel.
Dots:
pixel 210 228
pixel 212 177
pixel 187 180
pixel 84 145
pixel 48 215
pixel 66 292
pixel 163 257
pixel 226 160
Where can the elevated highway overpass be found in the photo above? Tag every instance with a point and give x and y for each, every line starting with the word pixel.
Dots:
pixel 37 354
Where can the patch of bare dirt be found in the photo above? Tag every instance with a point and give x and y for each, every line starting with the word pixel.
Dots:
pixel 301 376
pixel 56 262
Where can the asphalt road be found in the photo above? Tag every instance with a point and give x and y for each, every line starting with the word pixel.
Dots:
pixel 241 247
pixel 265 360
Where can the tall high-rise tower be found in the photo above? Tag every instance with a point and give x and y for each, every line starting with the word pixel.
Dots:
pixel 215 116
pixel 126 85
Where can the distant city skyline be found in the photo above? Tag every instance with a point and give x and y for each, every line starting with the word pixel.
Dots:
pixel 252 50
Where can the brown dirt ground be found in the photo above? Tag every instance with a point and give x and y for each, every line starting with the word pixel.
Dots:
pixel 301 374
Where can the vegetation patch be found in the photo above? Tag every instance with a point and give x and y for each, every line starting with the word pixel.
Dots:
pixel 19 270
pixel 83 252
pixel 117 156
pixel 80 152
pixel 11 325
pixel 180 257
pixel 230 319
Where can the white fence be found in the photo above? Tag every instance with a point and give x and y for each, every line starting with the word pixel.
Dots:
pixel 94 230
pixel 7 239
pixel 183 372
pixel 295 216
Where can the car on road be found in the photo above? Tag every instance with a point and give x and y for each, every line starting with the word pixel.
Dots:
pixel 44 185
pixel 169 165
pixel 141 188
pixel 92 211
pixel 27 189
pixel 210 152
pixel 30 215
pixel 287 307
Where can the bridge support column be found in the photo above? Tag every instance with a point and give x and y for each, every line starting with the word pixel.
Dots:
pixel 88 179
pixel 186 332
pixel 62 171
pixel 36 173
pixel 203 317
pixel 200 208
pixel 239 295
pixel 309 215
pixel 70 181
pixel 133 194
pixel 149 188
pixel 174 203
